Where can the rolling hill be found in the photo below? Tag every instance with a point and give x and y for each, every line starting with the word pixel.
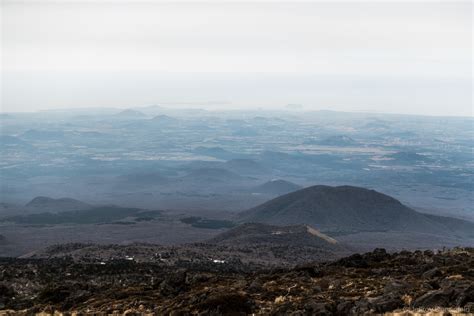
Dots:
pixel 47 204
pixel 286 244
pixel 245 166
pixel 143 178
pixel 164 119
pixel 347 209
pixel 276 187
pixel 255 233
pixel 212 174
pixel 130 114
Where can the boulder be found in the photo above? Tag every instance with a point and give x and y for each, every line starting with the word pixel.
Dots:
pixel 435 298
pixel 385 303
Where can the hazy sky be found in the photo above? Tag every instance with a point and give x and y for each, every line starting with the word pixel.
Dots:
pixel 402 57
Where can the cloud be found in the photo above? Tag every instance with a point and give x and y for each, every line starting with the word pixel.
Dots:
pixel 386 39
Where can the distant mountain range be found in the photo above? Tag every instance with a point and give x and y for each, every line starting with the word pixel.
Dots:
pixel 346 209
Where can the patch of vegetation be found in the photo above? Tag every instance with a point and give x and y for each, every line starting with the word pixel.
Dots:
pixel 144 218
pixel 200 222
pixel 119 223
pixel 190 220
pixel 95 215
pixel 149 213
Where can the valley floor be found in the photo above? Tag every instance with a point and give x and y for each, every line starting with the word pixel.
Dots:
pixel 169 229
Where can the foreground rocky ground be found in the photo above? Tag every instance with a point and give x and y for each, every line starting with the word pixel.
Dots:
pixel 371 283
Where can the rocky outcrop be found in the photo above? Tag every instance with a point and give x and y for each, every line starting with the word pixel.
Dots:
pixel 372 283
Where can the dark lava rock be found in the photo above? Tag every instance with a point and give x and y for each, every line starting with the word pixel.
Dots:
pixel 436 298
pixel 226 304
pixel 378 255
pixel 54 294
pixel 383 304
pixel 371 283
pixel 361 307
pixel 6 295
pixel 432 273
pixel 255 286
pixel 173 284
pixel 366 260
pixel 318 308
pixel 196 278
pixel 344 308
pixel 354 261
pixel 464 295
pixel 310 270
pixel 397 287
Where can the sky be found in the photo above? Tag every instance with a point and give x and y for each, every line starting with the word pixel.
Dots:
pixel 377 56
